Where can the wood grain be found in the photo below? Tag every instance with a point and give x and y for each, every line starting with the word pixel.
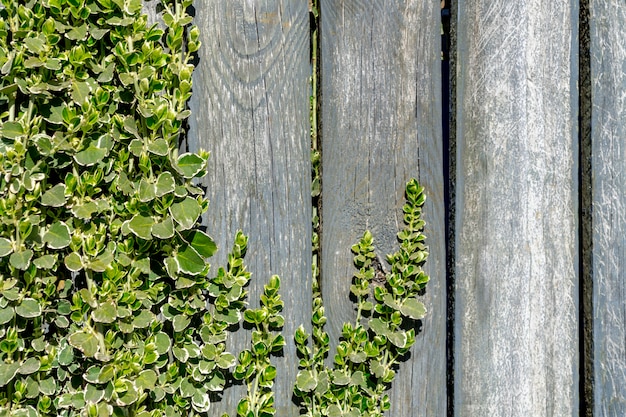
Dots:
pixel 516 322
pixel 381 125
pixel 608 127
pixel 250 110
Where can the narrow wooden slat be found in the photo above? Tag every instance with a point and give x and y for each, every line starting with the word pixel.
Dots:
pixel 381 125
pixel 251 111
pixel 608 130
pixel 516 328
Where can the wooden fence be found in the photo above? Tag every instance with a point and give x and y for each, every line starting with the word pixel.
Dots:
pixel 526 300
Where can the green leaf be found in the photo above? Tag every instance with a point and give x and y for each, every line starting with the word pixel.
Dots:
pixel 201 401
pixel 77 33
pixel 165 229
pixel 73 262
pixel 6 314
pixel 12 130
pixel 143 319
pixel 413 308
pixel 226 360
pixel 159 147
pixel 147 191
pixel 29 308
pixel 146 380
pixel 141 225
pixel 105 313
pixel 6 247
pixel 129 396
pixel 30 366
pixel 165 184
pixel 106 374
pixel 216 383
pixel 84 211
pixel 90 156
pixel 84 341
pixel 80 92
pixel 306 381
pixel 203 244
pixel 45 262
pixel 21 260
pixel 186 212
pixel 93 395
pixel 180 322
pixel 189 261
pixel 57 236
pixel 190 164
pixel 54 197
pixel 379 327
pixel 398 338
pixel 47 386
pixel 8 372
pixel 162 342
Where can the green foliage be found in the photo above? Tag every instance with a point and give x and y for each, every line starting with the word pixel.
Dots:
pixel 371 347
pixel 254 367
pixel 103 269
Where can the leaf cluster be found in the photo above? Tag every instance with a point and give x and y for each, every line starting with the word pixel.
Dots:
pixel 371 348
pixel 106 306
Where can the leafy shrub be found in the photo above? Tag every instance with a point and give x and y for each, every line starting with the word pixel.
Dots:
pixel 103 268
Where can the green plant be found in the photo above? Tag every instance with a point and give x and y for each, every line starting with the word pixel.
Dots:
pixel 372 346
pixel 103 267
pixel 254 367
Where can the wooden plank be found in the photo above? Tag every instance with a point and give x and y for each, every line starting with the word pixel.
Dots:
pixel 251 111
pixel 381 125
pixel 516 329
pixel 608 127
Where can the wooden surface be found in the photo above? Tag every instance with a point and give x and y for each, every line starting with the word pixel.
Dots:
pixel 516 323
pixel 250 109
pixel 381 125
pixel 608 58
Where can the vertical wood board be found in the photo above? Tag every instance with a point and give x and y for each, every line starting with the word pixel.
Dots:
pixel 250 110
pixel 608 130
pixel 516 321
pixel 381 125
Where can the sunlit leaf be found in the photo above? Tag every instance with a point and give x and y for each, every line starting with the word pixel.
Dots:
pixel 141 225
pixel 105 313
pixel 28 308
pixel 90 156
pixel 85 341
pixel 189 261
pixel 186 212
pixel 55 196
pixel 21 260
pixel 57 236
pixel 190 164
pixel 6 247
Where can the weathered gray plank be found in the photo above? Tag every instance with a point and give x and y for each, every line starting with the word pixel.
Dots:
pixel 250 105
pixel 516 329
pixel 608 130
pixel 381 125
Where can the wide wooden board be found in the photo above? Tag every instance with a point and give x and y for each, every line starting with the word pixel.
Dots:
pixel 516 321
pixel 381 125
pixel 250 110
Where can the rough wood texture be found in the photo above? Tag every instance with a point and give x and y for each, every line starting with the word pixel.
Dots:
pixel 608 58
pixel 250 109
pixel 381 125
pixel 516 331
